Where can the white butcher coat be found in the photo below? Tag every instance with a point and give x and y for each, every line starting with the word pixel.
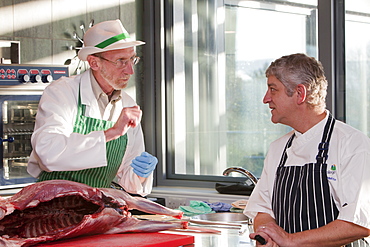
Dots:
pixel 349 182
pixel 57 148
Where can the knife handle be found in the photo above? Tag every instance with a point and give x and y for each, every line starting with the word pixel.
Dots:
pixel 260 239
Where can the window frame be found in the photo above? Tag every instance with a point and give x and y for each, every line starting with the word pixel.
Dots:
pixel 156 21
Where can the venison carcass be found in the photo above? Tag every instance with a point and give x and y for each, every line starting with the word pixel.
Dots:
pixel 56 209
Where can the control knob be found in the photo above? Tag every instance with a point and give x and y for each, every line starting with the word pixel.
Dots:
pixel 36 78
pixel 47 78
pixel 25 78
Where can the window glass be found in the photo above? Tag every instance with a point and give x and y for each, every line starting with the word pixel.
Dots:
pixel 357 40
pixel 216 118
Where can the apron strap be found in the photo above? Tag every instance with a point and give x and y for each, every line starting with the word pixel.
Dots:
pixel 284 156
pixel 80 107
pixel 323 146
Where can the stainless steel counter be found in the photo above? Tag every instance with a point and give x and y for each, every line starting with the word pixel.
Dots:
pixel 229 237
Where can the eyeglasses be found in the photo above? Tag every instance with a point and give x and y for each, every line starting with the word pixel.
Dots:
pixel 121 63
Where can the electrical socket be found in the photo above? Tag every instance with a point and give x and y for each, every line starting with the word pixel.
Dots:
pixel 175 202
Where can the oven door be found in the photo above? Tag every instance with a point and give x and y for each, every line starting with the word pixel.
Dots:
pixel 18 114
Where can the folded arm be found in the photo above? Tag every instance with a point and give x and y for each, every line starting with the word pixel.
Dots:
pixel 336 233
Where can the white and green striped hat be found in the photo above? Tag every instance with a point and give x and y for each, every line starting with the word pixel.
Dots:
pixel 106 36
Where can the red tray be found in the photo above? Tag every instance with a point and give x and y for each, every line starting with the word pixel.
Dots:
pixel 125 240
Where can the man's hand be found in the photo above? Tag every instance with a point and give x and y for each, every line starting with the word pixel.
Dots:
pixel 129 117
pixel 261 221
pixel 335 233
pixel 261 235
pixel 144 164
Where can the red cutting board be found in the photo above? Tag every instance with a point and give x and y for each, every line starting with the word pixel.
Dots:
pixel 154 239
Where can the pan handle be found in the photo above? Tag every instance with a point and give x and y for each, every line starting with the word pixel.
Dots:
pixel 10 139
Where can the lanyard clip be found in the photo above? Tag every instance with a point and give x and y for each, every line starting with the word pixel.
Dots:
pixel 323 146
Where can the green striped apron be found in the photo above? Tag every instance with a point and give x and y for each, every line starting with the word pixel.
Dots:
pixel 100 177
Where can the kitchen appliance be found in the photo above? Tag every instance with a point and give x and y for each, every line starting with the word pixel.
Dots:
pixel 21 87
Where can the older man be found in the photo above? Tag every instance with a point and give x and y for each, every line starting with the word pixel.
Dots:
pixel 314 186
pixel 87 128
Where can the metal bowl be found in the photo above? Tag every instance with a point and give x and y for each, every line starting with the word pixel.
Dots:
pixel 216 218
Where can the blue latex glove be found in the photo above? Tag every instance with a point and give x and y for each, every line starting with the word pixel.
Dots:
pixel 144 164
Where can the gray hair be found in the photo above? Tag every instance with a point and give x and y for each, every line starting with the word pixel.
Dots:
pixel 297 69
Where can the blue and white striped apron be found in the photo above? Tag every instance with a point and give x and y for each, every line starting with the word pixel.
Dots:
pixel 302 199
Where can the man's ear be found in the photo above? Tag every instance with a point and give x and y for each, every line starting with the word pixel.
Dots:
pixel 301 93
pixel 93 62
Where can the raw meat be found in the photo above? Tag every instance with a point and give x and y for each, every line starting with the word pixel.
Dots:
pixel 56 209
